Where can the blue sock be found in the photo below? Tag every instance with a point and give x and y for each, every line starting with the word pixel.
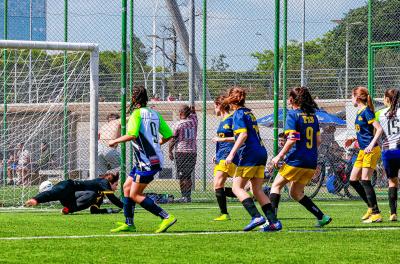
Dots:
pixel 129 210
pixel 153 208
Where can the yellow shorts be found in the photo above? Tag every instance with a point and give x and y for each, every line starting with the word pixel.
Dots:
pixel 369 160
pixel 228 169
pixel 250 172
pixel 295 174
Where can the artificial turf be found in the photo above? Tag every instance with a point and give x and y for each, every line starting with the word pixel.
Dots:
pixel 48 237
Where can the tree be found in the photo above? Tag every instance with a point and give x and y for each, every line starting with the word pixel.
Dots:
pixel 219 64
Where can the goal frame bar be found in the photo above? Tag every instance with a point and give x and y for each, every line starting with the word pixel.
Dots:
pixel 94 84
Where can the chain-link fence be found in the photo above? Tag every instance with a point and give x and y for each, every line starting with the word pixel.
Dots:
pixel 327 52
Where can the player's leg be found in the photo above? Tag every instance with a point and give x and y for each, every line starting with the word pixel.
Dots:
pixel 129 209
pixel 275 193
pixel 139 184
pixel 219 183
pixel 390 160
pixel 355 178
pixel 393 189
pixel 84 199
pixel 297 193
pixel 239 184
pixel 273 223
pixel 366 176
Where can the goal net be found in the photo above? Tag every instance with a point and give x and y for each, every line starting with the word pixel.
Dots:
pixel 49 101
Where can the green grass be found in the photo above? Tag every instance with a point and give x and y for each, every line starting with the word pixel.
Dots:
pixel 345 240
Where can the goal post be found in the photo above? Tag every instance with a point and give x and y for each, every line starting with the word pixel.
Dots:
pixel 33 109
pixel 384 69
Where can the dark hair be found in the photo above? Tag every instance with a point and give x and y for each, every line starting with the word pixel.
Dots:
pixel 301 96
pixel 113 115
pixel 112 177
pixel 185 110
pixel 236 96
pixel 282 135
pixel 220 101
pixel 393 95
pixel 361 94
pixel 139 97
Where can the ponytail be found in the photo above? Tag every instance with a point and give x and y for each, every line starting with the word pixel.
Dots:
pixel 393 96
pixel 370 104
pixel 302 97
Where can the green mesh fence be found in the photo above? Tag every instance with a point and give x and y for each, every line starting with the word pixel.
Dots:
pixel 327 51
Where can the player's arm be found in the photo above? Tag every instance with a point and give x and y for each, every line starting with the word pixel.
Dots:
pixel 223 139
pixel 114 200
pixel 238 143
pixel 133 129
pixel 370 116
pixel 240 129
pixel 165 131
pixel 292 136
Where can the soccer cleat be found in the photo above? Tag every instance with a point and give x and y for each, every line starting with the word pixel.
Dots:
pixel 223 217
pixel 367 215
pixel 124 228
pixel 255 221
pixel 393 217
pixel 65 211
pixel 166 223
pixel 324 221
pixel 375 218
pixel 272 227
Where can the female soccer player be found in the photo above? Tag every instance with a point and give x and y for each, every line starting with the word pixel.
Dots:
pixel 144 125
pixel 78 195
pixel 224 141
pixel 250 156
pixel 300 152
pixel 369 154
pixel 389 119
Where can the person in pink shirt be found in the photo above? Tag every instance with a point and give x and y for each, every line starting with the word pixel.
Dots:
pixel 183 149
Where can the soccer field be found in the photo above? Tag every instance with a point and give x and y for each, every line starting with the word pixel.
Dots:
pixel 48 237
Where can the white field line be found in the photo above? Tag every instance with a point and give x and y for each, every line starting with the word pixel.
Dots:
pixel 169 206
pixel 198 233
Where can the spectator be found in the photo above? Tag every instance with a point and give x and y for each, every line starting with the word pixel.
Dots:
pixel 12 163
pixel 24 163
pixel 109 158
pixel 184 144
pixel 170 98
pixel 44 158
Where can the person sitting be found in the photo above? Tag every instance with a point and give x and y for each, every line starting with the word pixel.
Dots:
pixel 24 164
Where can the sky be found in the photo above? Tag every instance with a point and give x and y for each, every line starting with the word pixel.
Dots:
pixel 236 28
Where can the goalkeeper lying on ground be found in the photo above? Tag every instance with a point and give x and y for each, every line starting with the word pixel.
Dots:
pixel 79 195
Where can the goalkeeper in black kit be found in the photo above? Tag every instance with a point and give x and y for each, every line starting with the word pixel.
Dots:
pixel 77 195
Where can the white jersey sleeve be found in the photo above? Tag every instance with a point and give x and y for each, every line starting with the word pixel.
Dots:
pixel 391 129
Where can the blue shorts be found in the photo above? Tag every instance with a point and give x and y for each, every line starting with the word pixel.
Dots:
pixel 143 176
pixel 391 162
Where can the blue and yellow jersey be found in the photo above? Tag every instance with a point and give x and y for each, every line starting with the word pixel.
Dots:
pixel 364 128
pixel 225 130
pixel 252 152
pixel 304 129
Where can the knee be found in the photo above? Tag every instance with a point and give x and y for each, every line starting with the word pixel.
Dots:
pixel 393 182
pixel 236 190
pixel 296 194
pixel 135 197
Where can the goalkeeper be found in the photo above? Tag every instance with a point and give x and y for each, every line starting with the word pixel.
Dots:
pixel 78 195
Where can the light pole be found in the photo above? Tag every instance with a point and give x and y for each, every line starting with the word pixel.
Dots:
pixel 163 39
pixel 302 81
pixel 347 52
pixel 155 46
